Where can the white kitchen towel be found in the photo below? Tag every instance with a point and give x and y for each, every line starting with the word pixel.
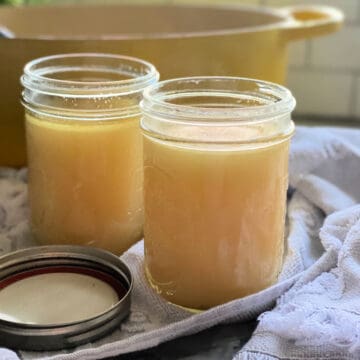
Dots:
pixel 324 178
pixel 319 317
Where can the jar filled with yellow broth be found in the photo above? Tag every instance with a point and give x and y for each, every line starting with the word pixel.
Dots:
pixel 85 149
pixel 215 182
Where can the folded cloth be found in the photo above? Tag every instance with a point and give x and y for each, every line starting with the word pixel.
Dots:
pixel 319 317
pixel 324 175
pixel 6 354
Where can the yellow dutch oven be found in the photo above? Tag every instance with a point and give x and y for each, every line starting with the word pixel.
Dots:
pixel 178 40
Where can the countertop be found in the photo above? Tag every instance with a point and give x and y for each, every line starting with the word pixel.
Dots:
pixel 219 342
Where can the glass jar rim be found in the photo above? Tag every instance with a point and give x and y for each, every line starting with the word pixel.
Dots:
pixel 156 100
pixel 34 78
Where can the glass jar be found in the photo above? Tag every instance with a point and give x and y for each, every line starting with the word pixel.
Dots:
pixel 215 182
pixel 84 148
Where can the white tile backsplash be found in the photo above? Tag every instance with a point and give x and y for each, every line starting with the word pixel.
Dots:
pixel 298 52
pixel 357 95
pixel 324 93
pixel 340 50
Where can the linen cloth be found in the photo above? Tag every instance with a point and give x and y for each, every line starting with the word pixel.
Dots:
pixel 317 318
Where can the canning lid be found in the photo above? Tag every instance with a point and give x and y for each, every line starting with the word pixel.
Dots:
pixel 56 297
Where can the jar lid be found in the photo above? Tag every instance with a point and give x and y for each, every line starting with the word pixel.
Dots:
pixel 56 297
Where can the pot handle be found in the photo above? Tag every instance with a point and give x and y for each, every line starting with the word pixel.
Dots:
pixel 305 21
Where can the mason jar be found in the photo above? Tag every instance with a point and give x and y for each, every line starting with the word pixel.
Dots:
pixel 84 148
pixel 215 182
